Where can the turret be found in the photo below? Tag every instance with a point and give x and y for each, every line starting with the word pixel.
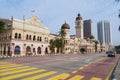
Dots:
pixel 79 26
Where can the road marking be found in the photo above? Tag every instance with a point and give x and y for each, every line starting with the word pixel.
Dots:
pixel 94 78
pixel 22 75
pixel 86 65
pixel 14 71
pixel 81 68
pixel 4 62
pixel 77 77
pixel 40 76
pixel 60 77
pixel 21 67
pixel 8 66
pixel 74 71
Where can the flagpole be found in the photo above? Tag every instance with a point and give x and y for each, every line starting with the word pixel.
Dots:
pixel 33 11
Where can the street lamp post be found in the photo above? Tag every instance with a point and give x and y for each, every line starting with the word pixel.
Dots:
pixel 119 18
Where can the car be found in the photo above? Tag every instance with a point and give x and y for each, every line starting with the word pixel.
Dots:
pixel 111 53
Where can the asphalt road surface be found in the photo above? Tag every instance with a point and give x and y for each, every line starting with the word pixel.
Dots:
pixel 61 67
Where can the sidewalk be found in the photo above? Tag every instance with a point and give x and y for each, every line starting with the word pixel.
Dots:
pixel 117 71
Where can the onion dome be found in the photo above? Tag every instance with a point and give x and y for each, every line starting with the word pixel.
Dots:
pixel 65 26
pixel 78 17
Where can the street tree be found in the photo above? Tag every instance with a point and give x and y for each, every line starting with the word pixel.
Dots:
pixel 52 45
pixel 117 0
pixel 96 43
pixel 119 28
pixel 62 34
pixel 119 14
pixel 92 37
pixel 2 26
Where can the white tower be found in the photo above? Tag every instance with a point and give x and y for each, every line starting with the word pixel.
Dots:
pixel 66 28
pixel 79 27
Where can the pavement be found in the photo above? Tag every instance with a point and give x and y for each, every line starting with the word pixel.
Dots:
pixel 67 67
pixel 117 71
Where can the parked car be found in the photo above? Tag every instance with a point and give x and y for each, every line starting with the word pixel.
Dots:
pixel 111 53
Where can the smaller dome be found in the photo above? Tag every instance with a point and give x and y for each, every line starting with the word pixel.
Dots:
pixel 65 26
pixel 78 17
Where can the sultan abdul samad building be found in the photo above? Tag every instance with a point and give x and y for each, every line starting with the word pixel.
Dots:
pixel 22 37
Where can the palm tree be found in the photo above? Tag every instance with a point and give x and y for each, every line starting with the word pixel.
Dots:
pixel 96 43
pixel 59 44
pixel 62 34
pixel 52 45
pixel 119 28
pixel 92 37
pixel 117 0
pixel 2 26
pixel 119 13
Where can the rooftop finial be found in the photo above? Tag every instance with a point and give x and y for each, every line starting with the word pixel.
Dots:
pixel 65 21
pixel 78 14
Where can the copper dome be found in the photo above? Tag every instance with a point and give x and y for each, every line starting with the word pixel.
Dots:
pixel 78 17
pixel 65 26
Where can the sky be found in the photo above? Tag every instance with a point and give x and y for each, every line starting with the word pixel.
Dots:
pixel 54 13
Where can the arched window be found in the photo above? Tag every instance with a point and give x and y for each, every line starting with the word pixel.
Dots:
pixel 39 50
pixel 46 50
pixel 17 50
pixel 38 38
pixel 26 37
pixel 34 38
pixel 10 37
pixel 19 36
pixel 29 37
pixel 15 35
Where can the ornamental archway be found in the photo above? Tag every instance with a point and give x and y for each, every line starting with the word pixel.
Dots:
pixel 4 52
pixel 39 50
pixel 46 50
pixel 28 50
pixel 82 50
pixel 17 50
pixel 9 53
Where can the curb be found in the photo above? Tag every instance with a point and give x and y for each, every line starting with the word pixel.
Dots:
pixel 112 70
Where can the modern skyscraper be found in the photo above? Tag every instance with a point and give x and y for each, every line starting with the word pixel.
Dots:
pixel 87 28
pixel 104 35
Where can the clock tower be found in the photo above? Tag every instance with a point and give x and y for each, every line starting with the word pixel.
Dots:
pixel 79 27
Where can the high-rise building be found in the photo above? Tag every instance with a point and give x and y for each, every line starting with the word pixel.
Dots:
pixel 87 28
pixel 104 35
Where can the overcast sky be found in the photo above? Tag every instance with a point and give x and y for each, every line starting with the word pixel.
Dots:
pixel 53 13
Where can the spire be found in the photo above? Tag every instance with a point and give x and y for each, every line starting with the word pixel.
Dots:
pixel 65 22
pixel 78 17
pixel 78 14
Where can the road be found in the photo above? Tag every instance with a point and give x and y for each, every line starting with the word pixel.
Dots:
pixel 60 67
